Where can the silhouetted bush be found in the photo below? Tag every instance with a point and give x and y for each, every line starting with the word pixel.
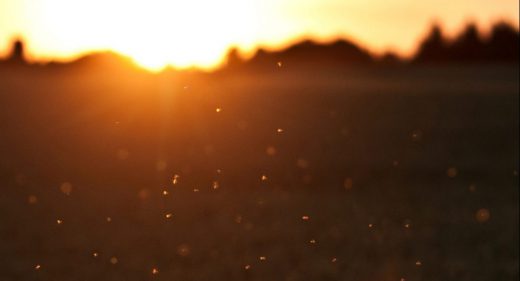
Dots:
pixel 390 58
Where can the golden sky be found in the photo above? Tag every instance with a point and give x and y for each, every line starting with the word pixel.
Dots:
pixel 198 32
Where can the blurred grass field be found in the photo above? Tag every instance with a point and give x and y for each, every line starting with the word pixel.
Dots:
pixel 398 173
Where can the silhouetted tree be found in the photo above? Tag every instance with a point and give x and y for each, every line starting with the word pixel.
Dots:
pixel 468 46
pixel 503 43
pixel 433 48
pixel 502 46
pixel 233 58
pixel 17 53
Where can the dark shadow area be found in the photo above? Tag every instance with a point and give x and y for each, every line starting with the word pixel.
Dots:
pixel 318 162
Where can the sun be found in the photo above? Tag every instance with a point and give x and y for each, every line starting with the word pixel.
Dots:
pixel 183 33
pixel 154 33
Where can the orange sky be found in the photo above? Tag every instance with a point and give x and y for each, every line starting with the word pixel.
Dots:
pixel 198 32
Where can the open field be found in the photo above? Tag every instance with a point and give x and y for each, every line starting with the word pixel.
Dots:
pixel 359 174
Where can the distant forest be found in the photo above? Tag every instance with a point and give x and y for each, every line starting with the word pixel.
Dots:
pixel 470 46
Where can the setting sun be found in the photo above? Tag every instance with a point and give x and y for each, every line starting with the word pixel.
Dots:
pixel 259 140
pixel 154 33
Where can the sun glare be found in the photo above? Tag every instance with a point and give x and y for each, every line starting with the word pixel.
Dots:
pixel 157 33
pixel 154 33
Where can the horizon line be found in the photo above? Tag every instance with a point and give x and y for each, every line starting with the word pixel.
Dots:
pixel 246 55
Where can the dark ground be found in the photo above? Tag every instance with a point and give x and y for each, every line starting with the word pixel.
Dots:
pixel 396 168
